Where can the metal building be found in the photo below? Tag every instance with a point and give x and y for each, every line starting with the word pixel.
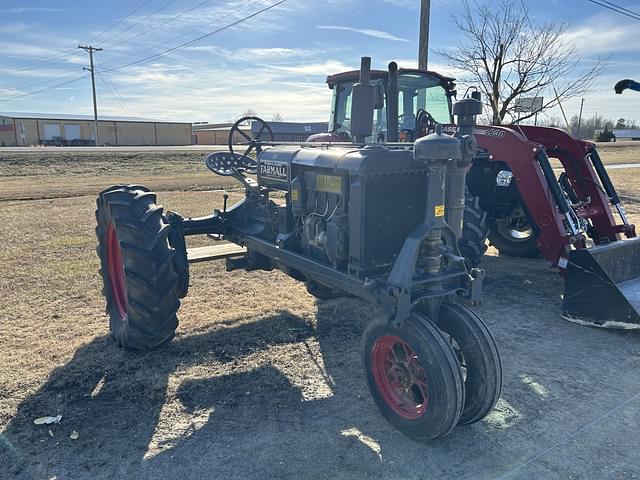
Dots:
pixel 25 129
pixel 218 133
pixel 292 131
pixel 626 134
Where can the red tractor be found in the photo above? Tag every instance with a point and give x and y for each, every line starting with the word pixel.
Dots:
pixel 514 196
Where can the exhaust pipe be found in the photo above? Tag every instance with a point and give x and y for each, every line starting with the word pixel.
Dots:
pixel 392 103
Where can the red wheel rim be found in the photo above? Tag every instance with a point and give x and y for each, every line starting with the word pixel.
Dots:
pixel 400 377
pixel 115 267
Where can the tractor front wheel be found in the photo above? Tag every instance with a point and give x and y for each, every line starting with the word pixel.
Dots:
pixel 414 377
pixel 514 236
pixel 479 359
pixel 139 267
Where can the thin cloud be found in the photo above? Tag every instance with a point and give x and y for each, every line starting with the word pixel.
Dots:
pixel 613 37
pixel 32 10
pixel 364 31
pixel 323 68
pixel 403 3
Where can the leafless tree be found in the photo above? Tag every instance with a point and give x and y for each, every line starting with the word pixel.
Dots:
pixel 247 113
pixel 509 57
pixel 277 117
pixel 590 127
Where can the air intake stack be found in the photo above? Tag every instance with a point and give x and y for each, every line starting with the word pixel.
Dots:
pixel 466 111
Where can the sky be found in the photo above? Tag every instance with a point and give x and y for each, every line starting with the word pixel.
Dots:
pixel 273 63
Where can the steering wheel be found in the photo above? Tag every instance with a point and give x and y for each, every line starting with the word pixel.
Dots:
pixel 424 123
pixel 248 163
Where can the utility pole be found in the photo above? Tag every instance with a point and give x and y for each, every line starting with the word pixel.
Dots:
pixel 423 48
pixel 89 49
pixel 580 118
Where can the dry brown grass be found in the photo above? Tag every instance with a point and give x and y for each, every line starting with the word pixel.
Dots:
pixel 261 381
pixel 33 175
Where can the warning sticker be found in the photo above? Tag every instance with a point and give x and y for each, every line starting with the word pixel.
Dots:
pixel 439 211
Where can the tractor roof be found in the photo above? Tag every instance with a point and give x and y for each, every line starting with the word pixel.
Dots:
pixel 377 74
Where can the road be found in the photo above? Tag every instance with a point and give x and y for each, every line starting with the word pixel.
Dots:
pixel 137 149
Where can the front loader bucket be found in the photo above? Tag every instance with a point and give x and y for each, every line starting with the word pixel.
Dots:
pixel 602 286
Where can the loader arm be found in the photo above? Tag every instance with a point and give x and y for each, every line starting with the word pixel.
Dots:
pixel 594 190
pixel 522 157
pixel 561 220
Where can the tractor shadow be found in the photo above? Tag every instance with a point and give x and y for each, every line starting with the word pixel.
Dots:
pixel 115 399
pixel 258 421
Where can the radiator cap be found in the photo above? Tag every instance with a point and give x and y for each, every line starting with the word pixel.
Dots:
pixel 437 147
pixel 467 106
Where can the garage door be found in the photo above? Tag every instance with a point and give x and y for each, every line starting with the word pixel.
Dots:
pixel 72 132
pixel 51 130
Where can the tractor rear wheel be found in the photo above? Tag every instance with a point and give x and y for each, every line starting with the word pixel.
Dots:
pixel 472 243
pixel 414 377
pixel 478 355
pixel 139 267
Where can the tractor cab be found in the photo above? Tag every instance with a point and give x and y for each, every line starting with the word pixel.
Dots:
pixel 424 100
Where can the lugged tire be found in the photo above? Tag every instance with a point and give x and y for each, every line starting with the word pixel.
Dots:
pixel 473 242
pixel 513 247
pixel 143 297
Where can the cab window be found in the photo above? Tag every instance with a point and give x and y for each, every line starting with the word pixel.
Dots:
pixel 416 92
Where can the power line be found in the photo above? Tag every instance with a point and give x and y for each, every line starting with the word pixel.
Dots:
pixel 246 4
pixel 155 27
pixel 118 99
pixel 51 87
pixel 615 8
pixel 29 65
pixel 44 81
pixel 62 56
pixel 21 67
pixel 196 40
pixel 120 20
pixel 621 7
pixel 24 66
pixel 160 54
pixel 143 19
pixel 106 79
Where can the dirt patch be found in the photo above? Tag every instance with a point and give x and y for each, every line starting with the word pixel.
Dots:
pixel 264 382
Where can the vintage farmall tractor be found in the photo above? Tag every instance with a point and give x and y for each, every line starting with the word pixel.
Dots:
pixel 513 194
pixel 380 222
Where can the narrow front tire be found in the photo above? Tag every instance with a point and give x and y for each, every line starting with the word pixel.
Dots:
pixel 414 377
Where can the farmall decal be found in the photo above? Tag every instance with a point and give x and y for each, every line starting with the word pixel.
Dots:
pixel 275 170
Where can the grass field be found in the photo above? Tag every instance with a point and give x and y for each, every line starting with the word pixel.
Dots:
pixel 32 174
pixel 262 381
